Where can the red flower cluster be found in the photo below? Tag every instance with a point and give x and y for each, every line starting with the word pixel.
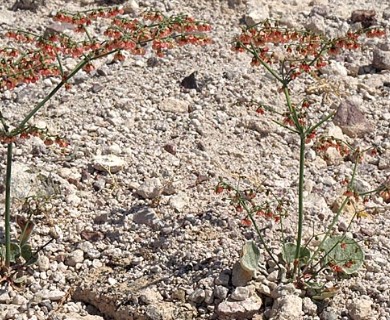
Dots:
pixel 39 57
pixel 325 143
pixel 297 51
pixel 34 132
pixel 245 201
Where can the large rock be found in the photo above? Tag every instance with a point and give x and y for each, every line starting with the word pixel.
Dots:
pixel 351 119
pixel 256 12
pixel 239 310
pixel 381 59
pixel 287 307
pixel 360 309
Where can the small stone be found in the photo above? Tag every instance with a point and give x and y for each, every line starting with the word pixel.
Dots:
pixel 179 294
pixel 75 257
pixel 179 201
pixel 381 59
pixel 150 188
pixel 329 315
pixel 223 279
pixel 256 13
pixel 54 295
pixel 240 294
pixel 246 309
pixel 220 292
pixel 263 289
pixel 209 296
pixel 197 296
pixel 173 105
pixel 316 24
pixel 43 263
pixel 145 215
pixel 287 307
pixel 112 281
pixel 365 17
pixel 240 277
pixel 19 300
pixel 351 119
pixel 108 163
pixel 309 307
pixel 360 309
pixel 5 298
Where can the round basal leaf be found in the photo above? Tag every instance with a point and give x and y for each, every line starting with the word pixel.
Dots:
pixel 27 254
pixel 343 252
pixel 250 257
pixel 15 252
pixel 289 250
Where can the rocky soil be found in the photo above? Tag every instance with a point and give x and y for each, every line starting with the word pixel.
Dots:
pixel 139 232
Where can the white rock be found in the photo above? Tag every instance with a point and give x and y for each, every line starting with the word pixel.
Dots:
pixel 77 256
pixel 240 294
pixel 7 17
pixel 43 263
pixel 256 12
pixel 54 295
pixel 239 309
pixel 179 201
pixel 309 307
pixel 360 309
pixel 173 105
pixel 109 163
pixel 287 307
pixel 150 188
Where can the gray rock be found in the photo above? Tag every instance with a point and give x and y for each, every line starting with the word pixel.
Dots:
pixel 145 215
pixel 150 188
pixel 223 279
pixel 351 119
pixel 240 294
pixel 316 24
pixel 239 309
pixel 197 296
pixel 240 277
pixel 381 59
pixel 287 307
pixel 209 296
pixel 220 292
pixel 360 309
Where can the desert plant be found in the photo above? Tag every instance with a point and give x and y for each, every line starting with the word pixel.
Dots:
pixel 287 54
pixel 35 56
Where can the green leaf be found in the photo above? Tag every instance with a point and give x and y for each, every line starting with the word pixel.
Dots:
pixel 343 252
pixel 250 257
pixel 28 255
pixel 289 250
pixel 15 252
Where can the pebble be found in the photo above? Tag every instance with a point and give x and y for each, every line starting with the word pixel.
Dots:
pixel 240 294
pixel 75 257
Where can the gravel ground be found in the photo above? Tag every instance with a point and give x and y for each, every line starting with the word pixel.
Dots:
pixel 149 239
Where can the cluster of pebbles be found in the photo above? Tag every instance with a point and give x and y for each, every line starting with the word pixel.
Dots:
pixel 136 230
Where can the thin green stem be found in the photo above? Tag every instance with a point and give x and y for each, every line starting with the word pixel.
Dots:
pixel 300 200
pixel 7 213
